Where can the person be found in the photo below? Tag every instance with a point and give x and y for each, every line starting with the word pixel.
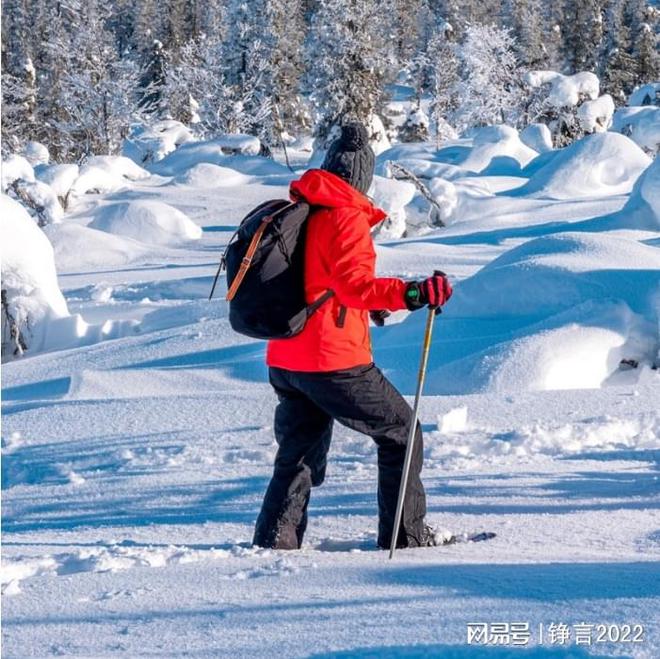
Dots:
pixel 326 373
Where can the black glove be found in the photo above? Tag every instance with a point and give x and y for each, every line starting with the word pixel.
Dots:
pixel 378 316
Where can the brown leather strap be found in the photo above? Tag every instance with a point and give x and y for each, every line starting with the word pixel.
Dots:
pixel 247 259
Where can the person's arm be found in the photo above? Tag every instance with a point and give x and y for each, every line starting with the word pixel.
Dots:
pixel 353 263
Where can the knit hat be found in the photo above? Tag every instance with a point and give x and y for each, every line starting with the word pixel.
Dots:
pixel 351 158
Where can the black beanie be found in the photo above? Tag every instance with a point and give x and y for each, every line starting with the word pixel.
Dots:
pixel 351 157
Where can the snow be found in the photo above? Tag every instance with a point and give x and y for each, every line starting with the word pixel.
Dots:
pixel 219 152
pixel 152 143
pixel 643 207
pixel 378 141
pixel 151 222
pixel 556 312
pixel 641 125
pixel 392 196
pixel 42 198
pixel 645 95
pixel 565 90
pixel 133 468
pixel 28 275
pixel 107 174
pixel 497 150
pixel 59 177
pixel 206 175
pixel 596 116
pixel 36 153
pixel 598 165
pixel 81 248
pixel 15 168
pixel 537 137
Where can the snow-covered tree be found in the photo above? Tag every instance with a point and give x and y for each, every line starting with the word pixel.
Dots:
pixel 583 33
pixel 645 46
pixel 524 18
pixel 345 62
pixel 618 65
pixel 489 88
pixel 19 102
pixel 416 126
pixel 97 89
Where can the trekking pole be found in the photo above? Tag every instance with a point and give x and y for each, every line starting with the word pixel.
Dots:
pixel 426 347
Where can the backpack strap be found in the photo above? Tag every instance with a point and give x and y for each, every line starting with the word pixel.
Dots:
pixel 314 306
pixel 252 248
pixel 247 259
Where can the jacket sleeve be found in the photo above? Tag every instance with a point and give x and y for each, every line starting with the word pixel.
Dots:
pixel 352 260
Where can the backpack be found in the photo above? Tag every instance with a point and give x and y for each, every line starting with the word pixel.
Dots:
pixel 264 261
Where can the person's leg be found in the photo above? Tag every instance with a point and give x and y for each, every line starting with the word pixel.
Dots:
pixel 363 399
pixel 303 432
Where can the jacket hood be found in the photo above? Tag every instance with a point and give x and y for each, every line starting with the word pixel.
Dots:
pixel 321 188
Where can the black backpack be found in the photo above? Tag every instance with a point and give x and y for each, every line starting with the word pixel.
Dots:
pixel 265 271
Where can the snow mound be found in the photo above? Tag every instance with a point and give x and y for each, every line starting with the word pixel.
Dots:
pixel 565 91
pixel 219 152
pixel 152 143
pixel 537 137
pixel 392 196
pixel 641 125
pixel 446 195
pixel 557 312
pixel 29 280
pixel 79 248
pixel 550 274
pixel 596 116
pixel 378 139
pixel 497 150
pixel 601 164
pixel 151 222
pixel 41 199
pixel 36 153
pixel 60 177
pixel 107 174
pixel 16 168
pixel 207 175
pixel 648 94
pixel 642 211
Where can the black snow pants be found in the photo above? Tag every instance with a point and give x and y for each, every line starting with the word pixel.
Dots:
pixel 360 398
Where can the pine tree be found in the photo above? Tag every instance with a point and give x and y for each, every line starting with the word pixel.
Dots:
pixel 286 24
pixel 617 67
pixel 345 62
pixel 645 46
pixel 524 18
pixel 583 33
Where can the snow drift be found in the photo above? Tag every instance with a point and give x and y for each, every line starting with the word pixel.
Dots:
pixel 78 248
pixel 641 125
pixel 151 222
pixel 556 312
pixel 207 175
pixel 233 151
pixel 107 174
pixel 642 211
pixel 31 295
pixel 152 143
pixel 59 177
pixel 601 164
pixel 16 168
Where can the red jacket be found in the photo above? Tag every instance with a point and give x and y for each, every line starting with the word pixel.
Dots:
pixel 339 254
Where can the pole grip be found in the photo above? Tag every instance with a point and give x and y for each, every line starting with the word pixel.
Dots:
pixel 438 273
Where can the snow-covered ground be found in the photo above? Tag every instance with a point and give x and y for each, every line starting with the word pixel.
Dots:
pixel 133 468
